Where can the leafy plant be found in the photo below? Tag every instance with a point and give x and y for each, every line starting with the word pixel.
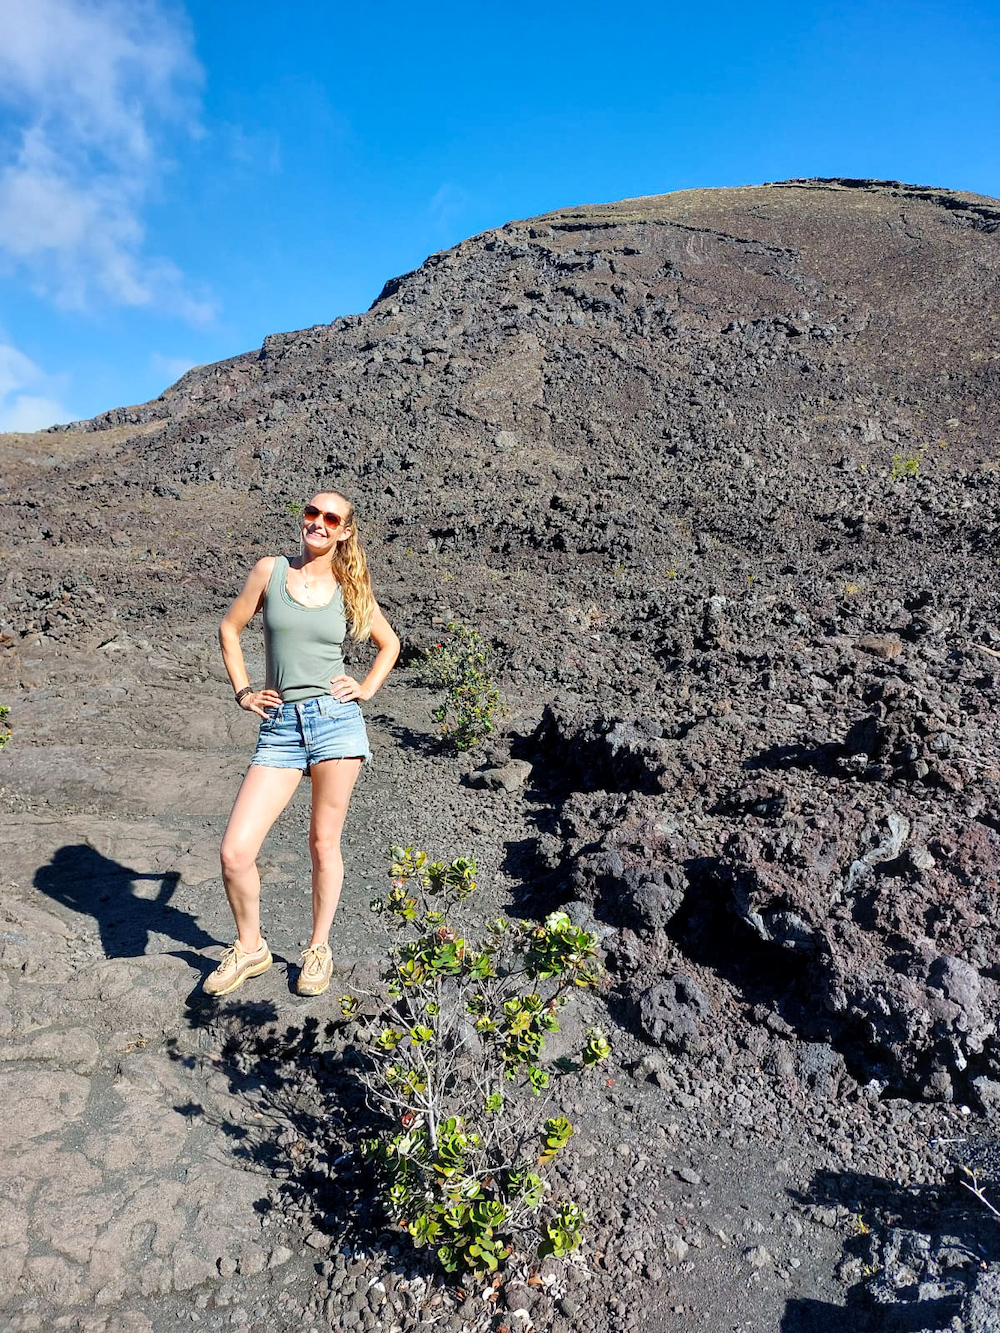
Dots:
pixel 905 465
pixel 463 668
pixel 454 1048
pixel 4 728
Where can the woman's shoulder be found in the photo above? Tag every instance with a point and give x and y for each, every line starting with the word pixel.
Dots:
pixel 264 568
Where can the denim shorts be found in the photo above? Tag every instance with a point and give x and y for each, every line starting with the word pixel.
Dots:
pixel 298 735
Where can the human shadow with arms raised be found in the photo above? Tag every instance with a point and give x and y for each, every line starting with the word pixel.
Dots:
pixel 127 917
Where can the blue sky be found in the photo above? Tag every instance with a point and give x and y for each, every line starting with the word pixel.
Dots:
pixel 178 180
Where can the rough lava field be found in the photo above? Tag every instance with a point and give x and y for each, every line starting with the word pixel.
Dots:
pixel 716 473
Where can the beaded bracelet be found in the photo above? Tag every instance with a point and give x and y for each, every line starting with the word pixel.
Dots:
pixel 242 694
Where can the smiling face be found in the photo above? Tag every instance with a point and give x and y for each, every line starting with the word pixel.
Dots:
pixel 320 534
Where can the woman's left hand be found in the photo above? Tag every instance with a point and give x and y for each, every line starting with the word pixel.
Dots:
pixel 346 688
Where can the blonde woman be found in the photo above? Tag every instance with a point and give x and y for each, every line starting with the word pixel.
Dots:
pixel 311 723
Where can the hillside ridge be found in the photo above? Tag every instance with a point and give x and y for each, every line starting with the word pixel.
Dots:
pixel 715 474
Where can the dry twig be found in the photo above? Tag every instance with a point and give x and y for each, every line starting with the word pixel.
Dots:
pixel 975 1188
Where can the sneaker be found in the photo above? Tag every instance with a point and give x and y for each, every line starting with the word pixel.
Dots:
pixel 235 967
pixel 316 971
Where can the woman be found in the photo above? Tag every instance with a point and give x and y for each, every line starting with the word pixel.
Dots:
pixel 311 723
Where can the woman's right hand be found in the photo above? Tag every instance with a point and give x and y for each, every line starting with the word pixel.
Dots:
pixel 260 701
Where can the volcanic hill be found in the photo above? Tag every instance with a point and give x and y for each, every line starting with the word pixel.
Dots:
pixel 716 473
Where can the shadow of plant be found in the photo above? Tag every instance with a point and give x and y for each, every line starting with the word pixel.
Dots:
pixel 422 742
pixel 914 1256
pixel 299 1113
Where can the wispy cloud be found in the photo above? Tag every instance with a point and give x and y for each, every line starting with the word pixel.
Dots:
pixel 258 151
pixel 171 367
pixel 92 88
pixel 448 204
pixel 31 410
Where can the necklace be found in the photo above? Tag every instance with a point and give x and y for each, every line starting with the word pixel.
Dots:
pixel 307 586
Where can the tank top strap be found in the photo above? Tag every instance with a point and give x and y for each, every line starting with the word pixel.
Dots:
pixel 278 573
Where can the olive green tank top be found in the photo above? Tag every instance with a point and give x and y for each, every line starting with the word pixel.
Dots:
pixel 302 644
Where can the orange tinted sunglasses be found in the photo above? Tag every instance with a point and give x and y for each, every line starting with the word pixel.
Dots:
pixel 330 519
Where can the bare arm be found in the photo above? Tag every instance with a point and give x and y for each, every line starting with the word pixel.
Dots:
pixel 234 622
pixel 386 640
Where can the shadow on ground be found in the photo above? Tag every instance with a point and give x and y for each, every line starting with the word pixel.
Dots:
pixel 420 741
pixel 299 1115
pixel 83 880
pixel 915 1254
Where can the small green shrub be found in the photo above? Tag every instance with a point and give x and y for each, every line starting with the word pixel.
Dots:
pixel 4 728
pixel 454 1048
pixel 905 465
pixel 463 668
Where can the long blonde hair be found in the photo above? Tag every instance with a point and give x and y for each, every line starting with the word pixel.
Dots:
pixel 350 567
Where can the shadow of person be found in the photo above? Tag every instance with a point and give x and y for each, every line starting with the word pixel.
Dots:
pixel 421 741
pixel 85 881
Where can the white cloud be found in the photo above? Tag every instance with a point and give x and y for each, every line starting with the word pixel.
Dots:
pixel 94 87
pixel 32 410
pixel 171 367
pixel 27 412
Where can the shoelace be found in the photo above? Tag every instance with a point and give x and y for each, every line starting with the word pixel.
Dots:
pixel 312 960
pixel 230 955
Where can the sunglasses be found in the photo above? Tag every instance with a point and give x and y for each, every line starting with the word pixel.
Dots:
pixel 312 514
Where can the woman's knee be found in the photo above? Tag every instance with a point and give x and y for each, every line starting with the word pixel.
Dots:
pixel 325 852
pixel 236 857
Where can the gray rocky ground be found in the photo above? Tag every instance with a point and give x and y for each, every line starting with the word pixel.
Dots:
pixel 716 474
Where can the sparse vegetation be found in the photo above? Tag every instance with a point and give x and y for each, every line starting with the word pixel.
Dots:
pixel 905 465
pixel 463 668
pixel 4 728
pixel 455 1048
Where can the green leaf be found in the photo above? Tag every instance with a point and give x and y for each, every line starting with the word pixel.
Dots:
pixel 597 1047
pixel 447 1258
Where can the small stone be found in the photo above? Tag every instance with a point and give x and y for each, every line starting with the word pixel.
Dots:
pixel 757 1257
pixel 920 858
pixel 507 778
pixel 689 1175
pixel 884 646
pixel 676 1249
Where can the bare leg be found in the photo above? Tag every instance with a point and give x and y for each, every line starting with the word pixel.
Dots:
pixel 263 795
pixel 332 783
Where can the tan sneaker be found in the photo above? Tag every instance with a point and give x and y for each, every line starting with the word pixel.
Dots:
pixel 235 967
pixel 317 969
